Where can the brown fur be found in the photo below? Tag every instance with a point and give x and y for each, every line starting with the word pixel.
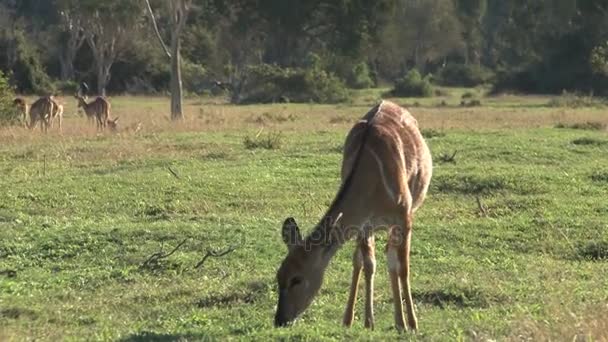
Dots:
pixel 42 111
pixel 98 109
pixel 386 172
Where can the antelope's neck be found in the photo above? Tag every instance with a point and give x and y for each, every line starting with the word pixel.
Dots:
pixel 331 232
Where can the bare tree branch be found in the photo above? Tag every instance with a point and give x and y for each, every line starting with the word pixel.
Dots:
pixel 154 258
pixel 160 38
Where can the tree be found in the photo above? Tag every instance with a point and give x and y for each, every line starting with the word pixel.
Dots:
pixel 108 26
pixel 178 10
pixel 71 37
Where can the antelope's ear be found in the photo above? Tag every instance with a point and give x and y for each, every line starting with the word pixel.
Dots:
pixel 115 119
pixel 291 233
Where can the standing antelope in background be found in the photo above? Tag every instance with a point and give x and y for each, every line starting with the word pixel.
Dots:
pixel 22 107
pixel 386 172
pixel 99 109
pixel 42 111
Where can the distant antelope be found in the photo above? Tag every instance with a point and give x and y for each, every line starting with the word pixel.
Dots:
pixel 386 172
pixel 42 111
pixel 99 109
pixel 22 107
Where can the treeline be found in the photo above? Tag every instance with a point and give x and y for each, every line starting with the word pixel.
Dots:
pixel 306 50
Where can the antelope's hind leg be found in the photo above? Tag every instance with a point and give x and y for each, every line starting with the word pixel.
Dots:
pixel 404 258
pixel 368 250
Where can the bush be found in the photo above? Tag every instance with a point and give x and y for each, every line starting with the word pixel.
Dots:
pixel 67 87
pixel 9 115
pixel 28 73
pixel 265 83
pixel 461 75
pixel 359 77
pixel 193 77
pixel 572 100
pixel 413 85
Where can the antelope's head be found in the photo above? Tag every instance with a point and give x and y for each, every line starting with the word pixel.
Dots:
pixel 299 277
pixel 81 100
pixel 112 124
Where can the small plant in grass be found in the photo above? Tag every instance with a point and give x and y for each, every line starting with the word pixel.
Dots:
pixel 468 95
pixel 594 250
pixel 588 125
pixel 600 176
pixel 430 133
pixel 270 141
pixel 589 142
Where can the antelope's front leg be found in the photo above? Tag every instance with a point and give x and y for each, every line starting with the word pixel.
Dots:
pixel 349 313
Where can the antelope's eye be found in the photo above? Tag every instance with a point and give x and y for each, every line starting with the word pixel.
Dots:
pixel 295 281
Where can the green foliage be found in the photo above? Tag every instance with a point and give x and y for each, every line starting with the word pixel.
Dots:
pixel 360 76
pixel 8 113
pixel 266 83
pixel 67 87
pixel 27 72
pixel 193 77
pixel 599 59
pixel 461 75
pixel 413 85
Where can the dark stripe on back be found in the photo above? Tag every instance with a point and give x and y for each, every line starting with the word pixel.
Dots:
pixel 326 221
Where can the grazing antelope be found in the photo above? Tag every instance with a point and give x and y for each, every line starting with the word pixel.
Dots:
pixel 386 172
pixel 98 109
pixel 42 111
pixel 22 107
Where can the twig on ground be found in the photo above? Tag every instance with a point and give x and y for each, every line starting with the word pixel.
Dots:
pixel 215 254
pixel 154 258
pixel 173 172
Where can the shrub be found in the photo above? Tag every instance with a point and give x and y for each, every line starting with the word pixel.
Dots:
pixel 9 115
pixel 412 85
pixel 359 77
pixel 67 87
pixel 271 141
pixel 461 75
pixel 265 83
pixel 572 100
pixel 28 72
pixel 193 77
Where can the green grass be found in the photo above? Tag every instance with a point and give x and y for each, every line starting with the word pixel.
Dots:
pixel 80 214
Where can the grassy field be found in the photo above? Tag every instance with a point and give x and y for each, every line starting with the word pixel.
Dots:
pixel 511 244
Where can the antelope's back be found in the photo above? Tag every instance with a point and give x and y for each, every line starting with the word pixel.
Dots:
pixel 396 122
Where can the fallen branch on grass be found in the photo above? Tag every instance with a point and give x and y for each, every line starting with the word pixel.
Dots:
pixel 215 254
pixel 154 258
pixel 173 172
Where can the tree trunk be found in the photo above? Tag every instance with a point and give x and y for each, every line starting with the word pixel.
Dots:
pixel 176 79
pixel 67 67
pixel 101 79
